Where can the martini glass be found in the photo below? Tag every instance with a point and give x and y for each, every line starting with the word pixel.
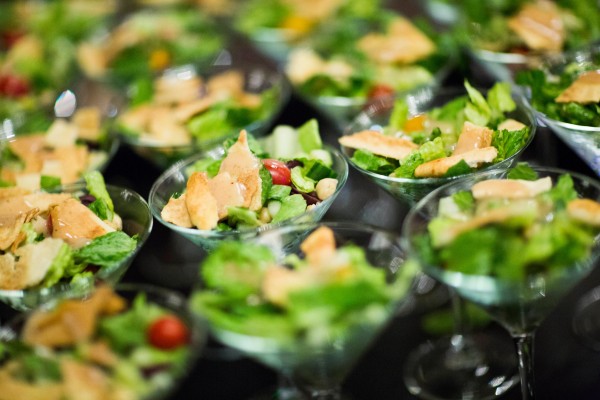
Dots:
pixel 463 365
pixel 316 360
pixel 519 305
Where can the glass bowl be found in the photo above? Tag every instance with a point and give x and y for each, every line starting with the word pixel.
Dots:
pixel 314 357
pixel 37 49
pixel 262 82
pixel 174 180
pixel 136 220
pixel 287 23
pixel 157 371
pixel 75 137
pixel 583 140
pixel 341 73
pixel 377 116
pixel 501 39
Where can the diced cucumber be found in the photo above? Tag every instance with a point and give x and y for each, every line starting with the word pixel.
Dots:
pixel 322 155
pixel 274 206
pixel 316 170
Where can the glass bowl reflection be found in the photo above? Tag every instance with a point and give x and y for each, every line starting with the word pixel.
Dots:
pixel 377 115
pixel 174 180
pixel 583 140
pixel 318 364
pixel 137 220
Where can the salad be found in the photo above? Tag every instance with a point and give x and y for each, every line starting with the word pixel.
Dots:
pixel 318 294
pixel 367 57
pixel 181 107
pixel 150 41
pixel 49 152
pixel 571 95
pixel 511 228
pixel 256 182
pixel 37 49
pixel 100 347
pixel 467 133
pixel 297 18
pixel 530 26
pixel 49 238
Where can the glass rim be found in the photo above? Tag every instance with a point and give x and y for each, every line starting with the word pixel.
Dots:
pixel 180 166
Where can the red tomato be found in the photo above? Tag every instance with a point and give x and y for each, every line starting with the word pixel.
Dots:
pixel 280 173
pixel 168 332
pixel 10 37
pixel 13 86
pixel 380 90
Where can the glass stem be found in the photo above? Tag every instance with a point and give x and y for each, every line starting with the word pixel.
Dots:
pixel 525 351
pixel 333 393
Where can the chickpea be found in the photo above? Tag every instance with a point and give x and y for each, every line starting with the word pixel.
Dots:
pixel 326 187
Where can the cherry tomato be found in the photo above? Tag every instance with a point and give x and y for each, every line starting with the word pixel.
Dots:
pixel 13 86
pixel 10 37
pixel 280 173
pixel 380 90
pixel 168 332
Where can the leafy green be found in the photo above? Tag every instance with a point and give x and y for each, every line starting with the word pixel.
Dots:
pixel 106 250
pixel 522 171
pixel 127 330
pixel 366 160
pixel 291 206
pixel 508 143
pixel 236 268
pixel 240 217
pixel 49 182
pixel 97 188
pixel 464 200
pixel 60 264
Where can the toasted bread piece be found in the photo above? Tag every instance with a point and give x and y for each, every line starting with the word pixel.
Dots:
pixel 511 125
pixel 200 202
pixel 244 167
pixel 163 127
pixel 539 24
pixel 319 245
pixel 76 224
pixel 379 144
pixel 438 167
pixel 35 259
pixel 176 212
pixel 510 188
pixel 472 137
pixel 88 121
pixel 403 44
pixel 227 191
pixel 586 211
pixel 85 378
pixel 585 89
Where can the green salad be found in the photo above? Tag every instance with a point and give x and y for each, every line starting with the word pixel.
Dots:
pixel 318 296
pixel 256 182
pixel 52 237
pixel 37 49
pixel 469 132
pixel 149 41
pixel 298 18
pixel 368 57
pixel 528 26
pixel 511 228
pixel 100 347
pixel 183 107
pixel 571 95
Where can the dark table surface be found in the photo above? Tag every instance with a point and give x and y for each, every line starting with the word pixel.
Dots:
pixel 564 367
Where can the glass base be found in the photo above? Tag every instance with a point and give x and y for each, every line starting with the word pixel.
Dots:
pixel 477 366
pixel 290 393
pixel 586 321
